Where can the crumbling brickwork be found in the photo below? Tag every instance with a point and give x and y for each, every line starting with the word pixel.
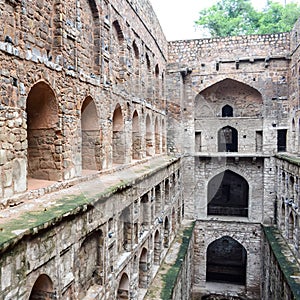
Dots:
pixel 93 100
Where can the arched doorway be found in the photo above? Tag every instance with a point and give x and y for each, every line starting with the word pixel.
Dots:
pixel 143 269
pixel 228 195
pixel 227 139
pixel 90 136
pixel 44 136
pixel 42 289
pixel 136 137
pixel 118 138
pixel 123 290
pixel 226 261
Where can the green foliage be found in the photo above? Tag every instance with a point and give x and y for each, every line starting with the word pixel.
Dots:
pixel 238 17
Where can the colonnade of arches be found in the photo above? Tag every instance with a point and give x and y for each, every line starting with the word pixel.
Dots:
pixel 47 144
pixel 287 206
pixel 143 230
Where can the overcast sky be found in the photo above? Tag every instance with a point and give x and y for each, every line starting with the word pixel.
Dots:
pixel 177 17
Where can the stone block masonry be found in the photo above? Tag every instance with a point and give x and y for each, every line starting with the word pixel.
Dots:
pixel 93 99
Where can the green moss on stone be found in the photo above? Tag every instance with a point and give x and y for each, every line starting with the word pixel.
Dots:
pixel 291 159
pixel 170 278
pixel 289 268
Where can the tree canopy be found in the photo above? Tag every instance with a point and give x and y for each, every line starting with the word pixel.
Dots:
pixel 238 17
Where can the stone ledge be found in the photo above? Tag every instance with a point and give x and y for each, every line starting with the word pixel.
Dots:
pixel 32 217
pixel 295 160
pixel 288 263
pixel 165 280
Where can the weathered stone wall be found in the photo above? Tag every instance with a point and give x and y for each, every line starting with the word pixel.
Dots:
pixel 57 55
pixel 88 249
pixel 249 236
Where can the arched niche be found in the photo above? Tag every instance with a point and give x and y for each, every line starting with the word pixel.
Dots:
pixel 136 137
pixel 157 247
pixel 149 136
pixel 228 195
pixel 235 93
pixel 163 138
pixel 143 269
pixel 42 289
pixel 227 111
pixel 43 134
pixel 226 261
pixel 91 261
pixel 123 289
pixel 157 136
pixel 118 136
pixel 228 139
pixel 166 232
pixel 90 136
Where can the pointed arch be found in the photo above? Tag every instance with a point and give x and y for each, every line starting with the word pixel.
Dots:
pixel 118 138
pixel 149 136
pixel 157 247
pixel 90 136
pixel 228 139
pixel 227 111
pixel 43 133
pixel 163 138
pixel 90 37
pixel 42 288
pixel 143 269
pixel 226 261
pixel 228 195
pixel 123 289
pixel 136 136
pixel 233 92
pixel 166 232
pixel 157 136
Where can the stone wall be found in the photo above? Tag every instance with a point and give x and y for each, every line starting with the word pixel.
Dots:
pixel 87 249
pixel 56 56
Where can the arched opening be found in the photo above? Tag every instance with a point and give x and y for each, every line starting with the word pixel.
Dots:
pixel 157 199
pixel 282 221
pixel 123 289
pixel 291 228
pixel 227 139
pixel 91 261
pixel 157 84
pixel 163 140
pixel 157 137
pixel 157 248
pixel 167 191
pixel 149 139
pixel 136 137
pixel 44 154
pixel 166 232
pixel 228 195
pixel 90 136
pixel 149 78
pixel 173 220
pixel 226 261
pixel 143 269
pixel 227 111
pixel 145 213
pixel 118 138
pixel 136 67
pixel 42 289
